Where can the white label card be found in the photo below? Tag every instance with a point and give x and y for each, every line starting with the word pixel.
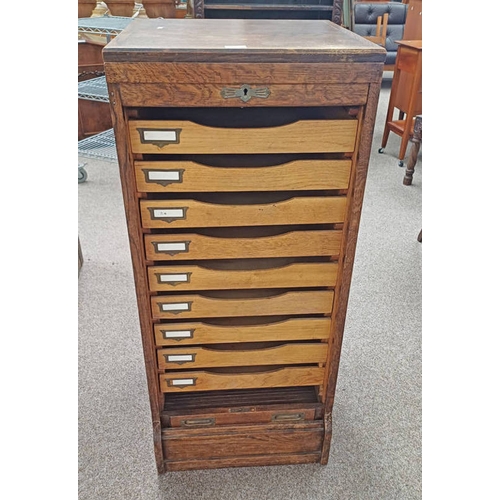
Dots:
pixel 160 135
pixel 169 212
pixel 180 306
pixel 169 247
pixel 167 278
pixel 162 175
pixel 178 334
pixel 179 357
pixel 183 381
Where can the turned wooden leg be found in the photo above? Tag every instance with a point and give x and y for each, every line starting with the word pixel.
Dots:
pixel 415 148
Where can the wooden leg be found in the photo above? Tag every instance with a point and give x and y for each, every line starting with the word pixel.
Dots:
pixel 405 137
pixel 416 142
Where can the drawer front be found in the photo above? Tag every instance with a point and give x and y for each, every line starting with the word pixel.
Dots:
pixel 281 416
pixel 190 213
pixel 198 306
pixel 175 334
pixel 189 95
pixel 185 137
pixel 195 246
pixel 168 278
pixel 204 357
pixel 190 445
pixel 192 380
pixel 188 176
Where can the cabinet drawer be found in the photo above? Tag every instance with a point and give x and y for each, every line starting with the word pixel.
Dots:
pixel 199 247
pixel 168 278
pixel 189 176
pixel 226 446
pixel 175 334
pixel 200 306
pixel 192 380
pixel 191 213
pixel 181 137
pixel 277 416
pixel 212 357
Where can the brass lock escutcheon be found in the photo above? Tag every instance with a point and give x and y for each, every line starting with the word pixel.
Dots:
pixel 245 92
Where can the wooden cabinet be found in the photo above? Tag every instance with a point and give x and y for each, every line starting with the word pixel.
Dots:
pixel 243 149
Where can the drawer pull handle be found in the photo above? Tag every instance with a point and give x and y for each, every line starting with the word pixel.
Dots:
pixel 177 334
pixel 287 417
pixel 176 307
pixel 163 177
pixel 245 92
pixel 179 359
pixel 198 422
pixel 173 279
pixel 171 248
pixel 160 137
pixel 168 214
pixel 181 382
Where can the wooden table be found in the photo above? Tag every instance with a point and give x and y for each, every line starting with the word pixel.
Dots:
pixel 406 94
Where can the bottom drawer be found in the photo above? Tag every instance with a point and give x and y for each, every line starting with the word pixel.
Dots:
pixel 231 379
pixel 242 445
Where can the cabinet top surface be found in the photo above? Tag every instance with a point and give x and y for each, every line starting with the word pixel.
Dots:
pixel 239 40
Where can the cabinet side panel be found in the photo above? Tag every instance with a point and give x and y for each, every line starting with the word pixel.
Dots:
pixel 358 182
pixel 131 205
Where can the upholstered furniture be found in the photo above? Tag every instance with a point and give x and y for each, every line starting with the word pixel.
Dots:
pixel 365 24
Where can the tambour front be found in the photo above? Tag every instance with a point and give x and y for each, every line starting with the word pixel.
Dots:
pixel 243 149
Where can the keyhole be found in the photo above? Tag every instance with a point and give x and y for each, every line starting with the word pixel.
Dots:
pixel 245 91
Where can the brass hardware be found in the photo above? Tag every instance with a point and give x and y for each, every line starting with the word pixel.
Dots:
pixel 177 358
pixel 287 417
pixel 174 247
pixel 181 383
pixel 245 92
pixel 144 132
pixel 241 410
pixel 169 214
pixel 198 422
pixel 177 335
pixel 173 282
pixel 170 176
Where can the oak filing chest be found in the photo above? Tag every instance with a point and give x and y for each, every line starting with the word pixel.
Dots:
pixel 243 148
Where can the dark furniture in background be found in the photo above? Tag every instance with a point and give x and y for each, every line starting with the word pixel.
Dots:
pixel 405 101
pixel 274 9
pixel 365 24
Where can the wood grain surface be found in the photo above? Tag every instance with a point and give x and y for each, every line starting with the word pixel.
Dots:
pixel 209 381
pixel 304 136
pixel 300 275
pixel 175 334
pixel 190 176
pixel 291 244
pixel 200 306
pixel 195 214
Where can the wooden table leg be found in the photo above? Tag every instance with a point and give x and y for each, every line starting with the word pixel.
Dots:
pixel 415 148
